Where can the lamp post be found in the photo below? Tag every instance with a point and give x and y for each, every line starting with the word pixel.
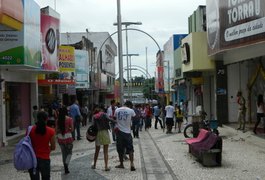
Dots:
pixel 120 49
pixel 126 36
pixel 168 80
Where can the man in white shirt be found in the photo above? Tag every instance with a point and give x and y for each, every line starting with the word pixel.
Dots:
pixel 169 117
pixel 123 116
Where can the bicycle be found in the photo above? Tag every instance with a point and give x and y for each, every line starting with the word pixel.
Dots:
pixel 210 125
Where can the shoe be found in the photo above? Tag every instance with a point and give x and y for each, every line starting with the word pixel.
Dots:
pixel 133 168
pixel 254 131
pixel 238 129
pixel 119 166
pixel 107 169
pixel 93 167
pixel 78 139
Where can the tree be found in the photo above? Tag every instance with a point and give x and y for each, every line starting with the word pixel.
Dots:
pixel 149 88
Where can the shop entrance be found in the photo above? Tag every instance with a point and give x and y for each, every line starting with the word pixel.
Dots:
pixel 17 107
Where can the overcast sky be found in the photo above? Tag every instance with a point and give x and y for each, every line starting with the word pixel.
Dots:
pixel 160 18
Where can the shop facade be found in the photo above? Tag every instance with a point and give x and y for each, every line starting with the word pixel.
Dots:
pixel 236 37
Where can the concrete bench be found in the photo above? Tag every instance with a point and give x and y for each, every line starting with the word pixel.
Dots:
pixel 208 151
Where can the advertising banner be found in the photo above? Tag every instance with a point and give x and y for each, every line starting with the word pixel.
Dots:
pixel 12 17
pixel 50 30
pixel 82 69
pixel 66 68
pixel 233 24
pixel 160 79
pixel 23 47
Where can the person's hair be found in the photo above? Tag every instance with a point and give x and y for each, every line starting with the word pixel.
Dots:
pixel 41 123
pixel 63 112
pixel 112 101
pixel 239 93
pixel 35 107
pixel 128 104
pixel 260 99
pixel 170 102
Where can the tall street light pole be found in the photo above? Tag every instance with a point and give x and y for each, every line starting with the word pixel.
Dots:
pixel 168 81
pixel 126 24
pixel 120 50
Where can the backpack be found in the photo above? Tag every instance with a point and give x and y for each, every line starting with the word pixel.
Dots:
pixel 91 133
pixel 24 155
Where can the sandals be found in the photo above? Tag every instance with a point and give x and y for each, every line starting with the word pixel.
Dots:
pixel 107 169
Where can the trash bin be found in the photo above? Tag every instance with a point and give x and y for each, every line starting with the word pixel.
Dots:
pixel 196 125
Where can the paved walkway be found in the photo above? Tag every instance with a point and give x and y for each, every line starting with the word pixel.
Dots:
pixel 157 156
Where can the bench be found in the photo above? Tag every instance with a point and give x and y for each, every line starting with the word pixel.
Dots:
pixel 202 135
pixel 208 151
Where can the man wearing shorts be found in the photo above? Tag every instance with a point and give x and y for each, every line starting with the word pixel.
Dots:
pixel 123 116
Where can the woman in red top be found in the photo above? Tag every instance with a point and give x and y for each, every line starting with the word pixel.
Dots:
pixel 64 130
pixel 148 117
pixel 43 142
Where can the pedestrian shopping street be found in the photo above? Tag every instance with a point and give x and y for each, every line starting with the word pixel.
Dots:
pixel 157 156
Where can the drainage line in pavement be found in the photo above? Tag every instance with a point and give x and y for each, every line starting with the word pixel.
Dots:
pixel 173 175
pixel 144 172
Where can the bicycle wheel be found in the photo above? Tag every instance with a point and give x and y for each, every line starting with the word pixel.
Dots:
pixel 188 131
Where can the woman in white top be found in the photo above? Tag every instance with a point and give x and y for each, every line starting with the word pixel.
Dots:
pixel 260 112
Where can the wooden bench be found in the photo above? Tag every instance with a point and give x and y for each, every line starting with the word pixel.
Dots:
pixel 208 151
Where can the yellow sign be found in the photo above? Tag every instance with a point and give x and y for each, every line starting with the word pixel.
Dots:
pixel 197 81
pixel 66 59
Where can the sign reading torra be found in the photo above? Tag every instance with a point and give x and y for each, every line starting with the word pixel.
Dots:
pixel 234 24
pixel 241 10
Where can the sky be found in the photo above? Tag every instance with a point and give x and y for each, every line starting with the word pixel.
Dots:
pixel 160 19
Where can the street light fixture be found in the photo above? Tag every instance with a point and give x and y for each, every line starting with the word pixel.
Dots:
pixel 129 73
pixel 126 26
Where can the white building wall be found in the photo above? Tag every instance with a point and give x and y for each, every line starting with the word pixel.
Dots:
pixel 238 75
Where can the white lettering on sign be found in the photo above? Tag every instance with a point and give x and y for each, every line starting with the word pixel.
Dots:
pixel 245 30
pixel 240 10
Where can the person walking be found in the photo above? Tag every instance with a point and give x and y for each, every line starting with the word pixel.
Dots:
pixel 101 121
pixel 136 121
pixel 110 112
pixel 179 119
pixel 260 112
pixel 43 142
pixel 148 116
pixel 76 115
pixel 34 114
pixel 241 117
pixel 157 112
pixel 124 115
pixel 169 117
pixel 84 114
pixel 64 128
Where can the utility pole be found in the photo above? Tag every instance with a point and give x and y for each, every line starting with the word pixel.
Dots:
pixel 120 51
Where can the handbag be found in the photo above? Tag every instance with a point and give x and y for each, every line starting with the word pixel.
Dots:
pixel 91 133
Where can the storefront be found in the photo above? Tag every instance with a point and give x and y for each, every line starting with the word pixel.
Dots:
pixel 20 59
pixel 236 36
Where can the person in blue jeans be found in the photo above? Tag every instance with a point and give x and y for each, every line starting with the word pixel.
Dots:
pixel 136 121
pixel 75 113
pixel 157 112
